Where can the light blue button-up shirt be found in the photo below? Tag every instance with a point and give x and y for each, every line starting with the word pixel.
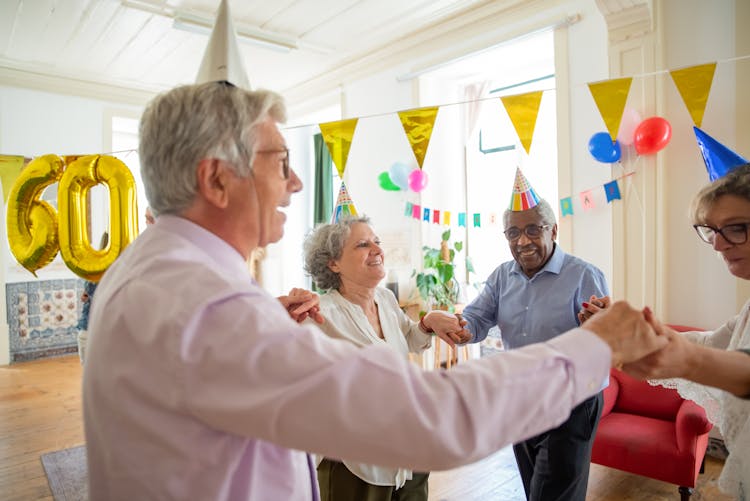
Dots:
pixel 532 310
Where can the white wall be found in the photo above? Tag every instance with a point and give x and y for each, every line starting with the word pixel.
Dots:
pixel 699 289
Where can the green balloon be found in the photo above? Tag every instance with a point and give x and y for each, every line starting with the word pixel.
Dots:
pixel 386 183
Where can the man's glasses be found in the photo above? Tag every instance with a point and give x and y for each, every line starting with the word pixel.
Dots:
pixel 284 159
pixel 531 231
pixel 733 233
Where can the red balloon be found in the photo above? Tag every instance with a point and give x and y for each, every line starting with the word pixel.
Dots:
pixel 652 135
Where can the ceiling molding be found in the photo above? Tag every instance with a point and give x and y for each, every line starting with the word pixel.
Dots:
pixel 491 24
pixel 626 22
pixel 61 84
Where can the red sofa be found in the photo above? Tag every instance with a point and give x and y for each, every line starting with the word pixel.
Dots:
pixel 651 431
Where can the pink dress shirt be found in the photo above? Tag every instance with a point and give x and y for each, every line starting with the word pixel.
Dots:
pixel 198 385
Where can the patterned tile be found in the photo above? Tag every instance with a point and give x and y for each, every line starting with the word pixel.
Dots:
pixel 42 317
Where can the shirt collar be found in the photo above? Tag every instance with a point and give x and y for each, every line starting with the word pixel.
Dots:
pixel 224 256
pixel 553 265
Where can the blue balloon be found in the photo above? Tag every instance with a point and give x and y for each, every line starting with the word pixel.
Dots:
pixel 603 149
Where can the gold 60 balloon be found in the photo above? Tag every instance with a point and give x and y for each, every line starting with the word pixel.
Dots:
pixel 36 232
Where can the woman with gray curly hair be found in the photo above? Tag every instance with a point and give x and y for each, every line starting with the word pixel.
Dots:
pixel 345 260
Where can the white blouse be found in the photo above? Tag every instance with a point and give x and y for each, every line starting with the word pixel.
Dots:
pixel 732 414
pixel 346 320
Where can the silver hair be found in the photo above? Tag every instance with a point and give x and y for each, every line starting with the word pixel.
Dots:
pixel 542 208
pixel 189 123
pixel 736 182
pixel 326 244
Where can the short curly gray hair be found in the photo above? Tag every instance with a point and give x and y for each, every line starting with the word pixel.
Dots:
pixel 542 208
pixel 736 182
pixel 326 244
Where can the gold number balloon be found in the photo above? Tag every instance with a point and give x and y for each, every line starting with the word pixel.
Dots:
pixel 80 176
pixel 32 223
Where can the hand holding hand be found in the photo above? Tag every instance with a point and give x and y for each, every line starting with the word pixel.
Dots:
pixel 674 360
pixel 300 304
pixel 448 327
pixel 627 332
pixel 593 305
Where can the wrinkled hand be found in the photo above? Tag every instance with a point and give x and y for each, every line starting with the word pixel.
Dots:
pixel 594 305
pixel 627 332
pixel 300 304
pixel 448 327
pixel 674 360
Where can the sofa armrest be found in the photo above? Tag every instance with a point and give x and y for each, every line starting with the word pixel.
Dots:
pixel 610 395
pixel 690 423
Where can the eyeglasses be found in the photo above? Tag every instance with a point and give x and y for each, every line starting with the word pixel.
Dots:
pixel 284 159
pixel 733 233
pixel 531 231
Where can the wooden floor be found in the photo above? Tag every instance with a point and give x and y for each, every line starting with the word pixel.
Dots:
pixel 40 411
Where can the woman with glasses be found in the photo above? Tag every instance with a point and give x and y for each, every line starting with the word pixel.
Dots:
pixel 715 366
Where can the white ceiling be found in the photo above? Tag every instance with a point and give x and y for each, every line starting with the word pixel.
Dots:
pixel 134 44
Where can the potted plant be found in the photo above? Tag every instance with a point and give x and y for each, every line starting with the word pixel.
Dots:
pixel 436 283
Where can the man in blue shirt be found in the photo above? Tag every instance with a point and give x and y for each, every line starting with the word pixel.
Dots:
pixel 532 299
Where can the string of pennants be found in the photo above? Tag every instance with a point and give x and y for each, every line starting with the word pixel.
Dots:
pixel 445 217
pixel 693 84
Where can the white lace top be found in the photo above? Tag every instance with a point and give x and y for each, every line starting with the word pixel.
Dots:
pixel 732 414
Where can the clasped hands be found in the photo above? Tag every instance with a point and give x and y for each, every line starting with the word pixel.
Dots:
pixel 641 345
pixel 301 304
pixel 447 326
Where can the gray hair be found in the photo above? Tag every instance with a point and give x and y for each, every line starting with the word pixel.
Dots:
pixel 736 182
pixel 189 123
pixel 326 244
pixel 542 208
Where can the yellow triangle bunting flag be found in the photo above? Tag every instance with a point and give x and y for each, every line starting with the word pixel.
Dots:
pixel 10 168
pixel 610 97
pixel 694 84
pixel 418 126
pixel 523 110
pixel 338 137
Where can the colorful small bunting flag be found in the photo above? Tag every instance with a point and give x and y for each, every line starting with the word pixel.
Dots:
pixel 523 110
pixel 610 97
pixel 338 137
pixel 523 196
pixel 612 189
pixel 436 216
pixel 418 126
pixel 587 200
pixel 694 84
pixel 477 220
pixel 462 219
pixel 344 205
pixel 566 206
pixel 409 209
pixel 447 217
pixel 426 214
pixel 416 211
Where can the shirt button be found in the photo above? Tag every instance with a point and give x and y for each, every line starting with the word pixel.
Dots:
pixel 524 334
pixel 527 308
pixel 591 385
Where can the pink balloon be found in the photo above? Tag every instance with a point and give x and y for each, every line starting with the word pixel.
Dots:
pixel 417 180
pixel 628 124
pixel 652 135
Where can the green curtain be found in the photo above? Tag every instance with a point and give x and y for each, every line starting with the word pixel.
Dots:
pixel 323 201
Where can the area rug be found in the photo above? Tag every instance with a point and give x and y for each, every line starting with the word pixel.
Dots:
pixel 66 473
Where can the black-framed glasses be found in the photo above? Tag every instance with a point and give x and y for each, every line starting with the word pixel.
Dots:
pixel 531 231
pixel 735 233
pixel 284 159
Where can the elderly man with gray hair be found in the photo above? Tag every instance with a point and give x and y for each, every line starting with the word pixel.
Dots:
pixel 535 298
pixel 199 385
